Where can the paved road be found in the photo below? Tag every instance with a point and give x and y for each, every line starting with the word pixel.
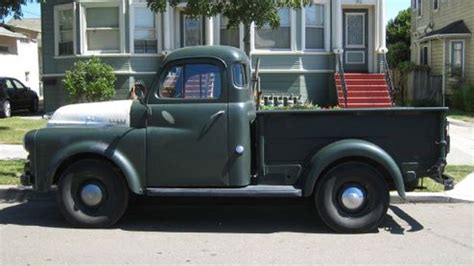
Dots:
pixel 462 143
pixel 203 231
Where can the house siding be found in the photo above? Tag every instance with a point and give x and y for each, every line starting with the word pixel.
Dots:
pixel 305 73
pixel 449 12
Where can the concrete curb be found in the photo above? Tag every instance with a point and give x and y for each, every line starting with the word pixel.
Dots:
pixel 12 194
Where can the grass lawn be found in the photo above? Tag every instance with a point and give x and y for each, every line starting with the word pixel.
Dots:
pixel 13 129
pixel 461 115
pixel 10 172
pixel 458 172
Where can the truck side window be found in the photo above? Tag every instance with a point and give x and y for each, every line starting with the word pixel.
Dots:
pixel 238 75
pixel 192 81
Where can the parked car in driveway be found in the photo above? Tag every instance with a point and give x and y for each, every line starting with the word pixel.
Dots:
pixel 14 95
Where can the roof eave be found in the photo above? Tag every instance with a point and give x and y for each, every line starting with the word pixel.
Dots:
pixel 445 36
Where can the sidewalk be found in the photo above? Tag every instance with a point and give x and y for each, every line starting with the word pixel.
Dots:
pixel 12 152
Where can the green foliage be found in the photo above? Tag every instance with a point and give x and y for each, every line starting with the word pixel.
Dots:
pixel 13 7
pixel 398 38
pixel 463 98
pixel 261 12
pixel 90 81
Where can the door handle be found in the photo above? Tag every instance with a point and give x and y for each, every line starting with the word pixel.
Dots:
pixel 216 115
pixel 209 125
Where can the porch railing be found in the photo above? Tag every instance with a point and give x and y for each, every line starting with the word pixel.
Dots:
pixel 340 74
pixel 388 77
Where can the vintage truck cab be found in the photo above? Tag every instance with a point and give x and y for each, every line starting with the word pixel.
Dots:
pixel 197 132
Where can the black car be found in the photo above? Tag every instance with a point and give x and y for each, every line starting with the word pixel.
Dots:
pixel 16 96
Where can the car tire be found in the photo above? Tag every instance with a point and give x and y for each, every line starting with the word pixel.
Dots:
pixel 352 197
pixel 92 194
pixel 33 106
pixel 5 109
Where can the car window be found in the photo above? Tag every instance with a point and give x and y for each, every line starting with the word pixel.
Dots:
pixel 238 75
pixel 18 85
pixel 192 81
pixel 9 84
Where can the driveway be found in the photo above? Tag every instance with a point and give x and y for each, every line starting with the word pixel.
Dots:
pixel 205 231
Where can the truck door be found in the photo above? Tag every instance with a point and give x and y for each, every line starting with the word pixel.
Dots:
pixel 187 140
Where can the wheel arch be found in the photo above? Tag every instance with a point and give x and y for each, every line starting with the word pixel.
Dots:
pixel 85 151
pixel 352 150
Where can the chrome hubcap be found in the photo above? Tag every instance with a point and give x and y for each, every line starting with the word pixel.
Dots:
pixel 352 198
pixel 7 109
pixel 91 195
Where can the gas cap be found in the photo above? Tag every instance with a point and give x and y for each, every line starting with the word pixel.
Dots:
pixel 239 149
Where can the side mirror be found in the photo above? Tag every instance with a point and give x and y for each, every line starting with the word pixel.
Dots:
pixel 138 91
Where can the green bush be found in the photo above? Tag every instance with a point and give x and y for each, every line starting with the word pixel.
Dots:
pixel 463 98
pixel 90 81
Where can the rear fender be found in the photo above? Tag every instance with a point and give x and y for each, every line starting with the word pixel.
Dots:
pixel 352 148
pixel 101 149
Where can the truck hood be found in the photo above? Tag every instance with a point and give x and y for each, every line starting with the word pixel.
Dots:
pixel 100 114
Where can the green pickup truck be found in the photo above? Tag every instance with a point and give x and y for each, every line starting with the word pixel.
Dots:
pixel 197 132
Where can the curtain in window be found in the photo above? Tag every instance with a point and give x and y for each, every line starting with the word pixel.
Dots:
pixel 267 38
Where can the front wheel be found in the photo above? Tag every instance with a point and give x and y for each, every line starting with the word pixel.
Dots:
pixel 93 194
pixel 352 197
pixel 5 109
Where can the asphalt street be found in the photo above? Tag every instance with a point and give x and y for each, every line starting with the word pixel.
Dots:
pixel 204 231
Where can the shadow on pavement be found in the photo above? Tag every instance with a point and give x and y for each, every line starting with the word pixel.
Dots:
pixel 210 215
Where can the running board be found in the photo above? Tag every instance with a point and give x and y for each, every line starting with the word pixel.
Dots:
pixel 261 191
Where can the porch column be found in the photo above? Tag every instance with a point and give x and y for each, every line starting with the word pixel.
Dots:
pixel 338 30
pixel 209 31
pixel 167 29
pixel 382 49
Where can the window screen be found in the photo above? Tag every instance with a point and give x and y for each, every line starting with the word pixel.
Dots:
pixel 192 81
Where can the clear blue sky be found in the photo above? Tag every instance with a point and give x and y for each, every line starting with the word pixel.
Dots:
pixel 32 10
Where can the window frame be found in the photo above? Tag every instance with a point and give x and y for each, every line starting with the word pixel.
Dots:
pixel 419 8
pixel 292 48
pixel 158 32
pixel 155 97
pixel 425 58
pixel 57 9
pixel 217 32
pixel 326 28
pixel 435 8
pixel 121 23
pixel 463 57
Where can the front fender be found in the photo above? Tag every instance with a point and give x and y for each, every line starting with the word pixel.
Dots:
pixel 99 148
pixel 351 148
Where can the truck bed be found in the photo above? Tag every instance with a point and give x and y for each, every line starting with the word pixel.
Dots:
pixel 290 138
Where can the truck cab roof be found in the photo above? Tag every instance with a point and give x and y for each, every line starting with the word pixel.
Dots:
pixel 227 54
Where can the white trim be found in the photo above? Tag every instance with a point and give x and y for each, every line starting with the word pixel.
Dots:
pixel 347 14
pixel 271 52
pixel 354 52
pixel 53 75
pixel 121 29
pixel 295 71
pixel 292 20
pixel 463 57
pixel 326 27
pixel 158 35
pixel 440 36
pixel 64 7
pixel 107 55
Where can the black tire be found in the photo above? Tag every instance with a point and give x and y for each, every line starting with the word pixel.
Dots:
pixel 329 191
pixel 112 184
pixel 33 106
pixel 5 109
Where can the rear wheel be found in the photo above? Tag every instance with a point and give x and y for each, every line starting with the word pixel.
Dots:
pixel 5 109
pixel 352 198
pixel 92 193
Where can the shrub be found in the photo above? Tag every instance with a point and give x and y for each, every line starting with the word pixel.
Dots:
pixel 463 98
pixel 90 81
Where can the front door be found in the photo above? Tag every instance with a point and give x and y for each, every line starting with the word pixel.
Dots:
pixel 187 143
pixel 356 40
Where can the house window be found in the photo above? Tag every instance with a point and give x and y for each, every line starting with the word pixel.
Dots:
pixel 314 27
pixel 435 4
pixel 192 81
pixel 3 49
pixel 457 59
pixel 64 27
pixel 280 38
pixel 424 56
pixel 192 30
pixel 145 38
pixel 103 29
pixel 419 7
pixel 229 37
